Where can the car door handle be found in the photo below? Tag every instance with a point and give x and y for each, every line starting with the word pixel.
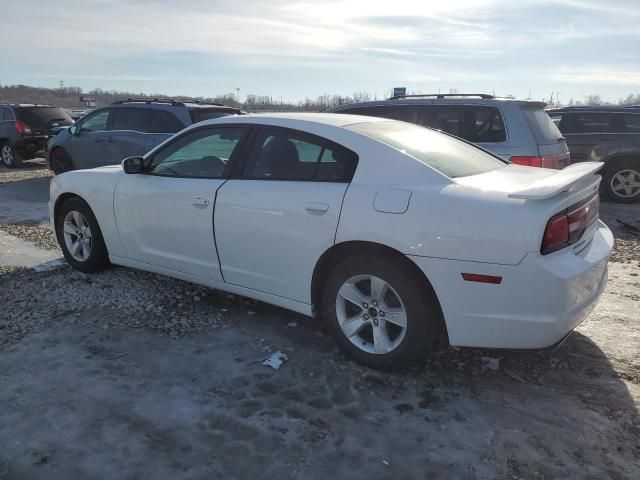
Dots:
pixel 200 202
pixel 315 208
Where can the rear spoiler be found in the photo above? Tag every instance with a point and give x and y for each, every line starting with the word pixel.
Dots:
pixel 560 182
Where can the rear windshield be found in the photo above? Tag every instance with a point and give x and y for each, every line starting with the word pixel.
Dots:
pixel 201 114
pixel 452 157
pixel 43 117
pixel 544 129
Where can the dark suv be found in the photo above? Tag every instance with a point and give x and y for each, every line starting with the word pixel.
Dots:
pixel 125 129
pixel 25 129
pixel 605 134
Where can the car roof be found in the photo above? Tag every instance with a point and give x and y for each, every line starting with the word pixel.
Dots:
pixel 29 105
pixel 287 119
pixel 598 108
pixel 442 100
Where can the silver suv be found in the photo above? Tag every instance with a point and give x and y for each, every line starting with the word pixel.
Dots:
pixel 517 130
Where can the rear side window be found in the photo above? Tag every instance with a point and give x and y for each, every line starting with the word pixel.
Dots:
pixel 632 123
pixel 136 119
pixel 543 128
pixel 43 117
pixel 201 114
pixel 281 154
pixel 591 122
pixel 161 121
pixel 474 123
pixel 447 155
pixel 3 114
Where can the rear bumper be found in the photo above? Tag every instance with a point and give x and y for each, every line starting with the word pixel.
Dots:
pixel 29 146
pixel 538 302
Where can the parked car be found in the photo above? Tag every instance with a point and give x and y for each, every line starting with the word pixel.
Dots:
pixel 123 129
pixel 391 231
pixel 516 130
pixel 25 129
pixel 610 135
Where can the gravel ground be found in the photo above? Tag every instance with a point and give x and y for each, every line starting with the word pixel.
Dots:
pixel 30 169
pixel 40 235
pixel 125 374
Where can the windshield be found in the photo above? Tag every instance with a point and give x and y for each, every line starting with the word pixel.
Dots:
pixel 450 156
pixel 44 117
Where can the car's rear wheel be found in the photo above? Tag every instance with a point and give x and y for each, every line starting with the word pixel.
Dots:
pixel 10 158
pixel 80 237
pixel 621 181
pixel 60 161
pixel 380 314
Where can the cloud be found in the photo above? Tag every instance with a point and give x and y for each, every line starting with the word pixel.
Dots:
pixel 458 43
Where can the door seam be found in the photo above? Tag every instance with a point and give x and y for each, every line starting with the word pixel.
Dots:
pixel 213 226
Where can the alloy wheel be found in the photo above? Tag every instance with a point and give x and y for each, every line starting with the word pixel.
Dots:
pixel 371 314
pixel 77 236
pixel 626 183
pixel 7 155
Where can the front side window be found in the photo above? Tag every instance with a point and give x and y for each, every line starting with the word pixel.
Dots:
pixel 199 154
pixel 288 155
pixel 135 119
pixel 96 122
pixel 447 155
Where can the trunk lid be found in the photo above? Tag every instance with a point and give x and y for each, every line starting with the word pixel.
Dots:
pixel 43 120
pixel 543 192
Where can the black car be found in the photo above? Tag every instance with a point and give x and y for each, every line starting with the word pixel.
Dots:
pixel 605 134
pixel 25 129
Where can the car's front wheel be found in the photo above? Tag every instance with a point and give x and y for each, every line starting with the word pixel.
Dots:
pixel 10 158
pixel 80 237
pixel 60 161
pixel 380 313
pixel 621 181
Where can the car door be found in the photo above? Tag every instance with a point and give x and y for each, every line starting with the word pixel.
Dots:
pixel 88 143
pixel 280 211
pixel 591 136
pixel 128 134
pixel 165 214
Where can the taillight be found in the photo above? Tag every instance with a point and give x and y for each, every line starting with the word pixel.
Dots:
pixel 527 161
pixel 556 235
pixel 556 162
pixel 567 227
pixel 22 127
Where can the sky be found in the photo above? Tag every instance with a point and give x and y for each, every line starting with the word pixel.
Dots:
pixel 298 49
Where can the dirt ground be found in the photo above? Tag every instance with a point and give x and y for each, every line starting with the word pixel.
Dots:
pixel 131 375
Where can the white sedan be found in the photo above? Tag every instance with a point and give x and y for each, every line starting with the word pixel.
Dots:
pixel 393 233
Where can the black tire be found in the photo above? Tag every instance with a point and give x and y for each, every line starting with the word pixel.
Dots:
pixel 60 161
pixel 98 258
pixel 610 182
pixel 9 156
pixel 423 313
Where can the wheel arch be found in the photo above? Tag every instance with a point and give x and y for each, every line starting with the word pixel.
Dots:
pixel 613 160
pixel 337 252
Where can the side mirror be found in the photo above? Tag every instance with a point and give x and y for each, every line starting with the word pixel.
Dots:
pixel 133 165
pixel 74 129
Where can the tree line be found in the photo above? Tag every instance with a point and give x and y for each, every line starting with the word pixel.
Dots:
pixel 69 97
